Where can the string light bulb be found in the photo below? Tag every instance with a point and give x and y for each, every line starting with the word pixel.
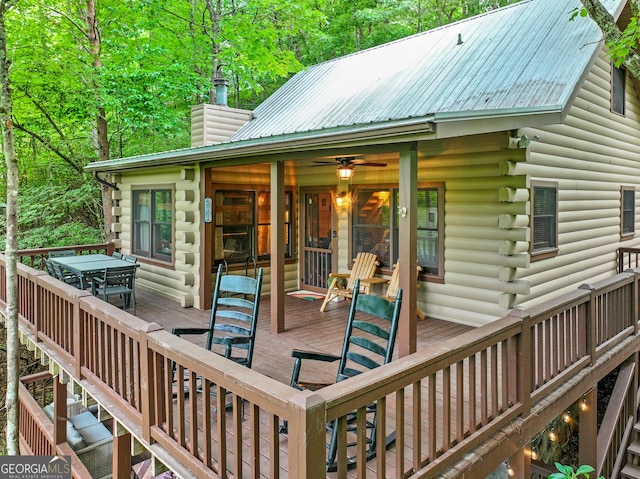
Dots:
pixel 566 417
pixel 553 436
pixel 534 454
pixel 583 404
pixel 510 471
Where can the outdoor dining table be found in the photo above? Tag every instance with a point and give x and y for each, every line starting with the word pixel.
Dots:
pixel 88 265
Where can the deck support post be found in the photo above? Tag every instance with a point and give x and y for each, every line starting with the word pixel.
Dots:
pixel 520 462
pixel 307 436
pixel 122 454
pixel 588 440
pixel 59 411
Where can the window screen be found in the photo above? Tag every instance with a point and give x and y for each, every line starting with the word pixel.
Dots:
pixel 545 218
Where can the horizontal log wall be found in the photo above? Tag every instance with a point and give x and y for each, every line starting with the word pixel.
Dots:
pixel 178 280
pixel 591 156
pixel 470 169
pixel 529 366
pixel 476 246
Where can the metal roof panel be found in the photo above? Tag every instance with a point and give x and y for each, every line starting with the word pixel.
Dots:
pixel 526 55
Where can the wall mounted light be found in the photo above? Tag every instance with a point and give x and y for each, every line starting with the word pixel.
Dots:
pixel 345 172
pixel 341 199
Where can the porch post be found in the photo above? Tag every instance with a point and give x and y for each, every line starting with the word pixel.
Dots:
pixel 59 410
pixel 307 436
pixel 588 439
pixel 121 453
pixel 277 247
pixel 407 257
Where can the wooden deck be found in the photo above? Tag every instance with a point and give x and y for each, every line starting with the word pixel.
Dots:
pixel 307 328
pixel 452 404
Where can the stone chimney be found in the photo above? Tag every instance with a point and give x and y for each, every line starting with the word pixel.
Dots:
pixel 212 124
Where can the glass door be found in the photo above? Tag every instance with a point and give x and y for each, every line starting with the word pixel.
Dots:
pixel 318 234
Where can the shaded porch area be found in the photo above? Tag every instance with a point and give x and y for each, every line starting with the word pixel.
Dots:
pixel 307 328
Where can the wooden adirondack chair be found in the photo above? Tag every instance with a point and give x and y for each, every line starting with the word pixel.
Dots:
pixel 364 267
pixel 394 285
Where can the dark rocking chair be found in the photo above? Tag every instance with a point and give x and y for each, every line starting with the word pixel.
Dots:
pixel 234 317
pixel 368 343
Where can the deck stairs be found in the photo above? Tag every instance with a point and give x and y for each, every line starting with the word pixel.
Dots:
pixel 631 470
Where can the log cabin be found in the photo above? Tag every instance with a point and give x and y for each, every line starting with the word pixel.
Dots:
pixel 503 149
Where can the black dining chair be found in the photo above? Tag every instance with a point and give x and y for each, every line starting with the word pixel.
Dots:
pixel 116 282
pixel 57 272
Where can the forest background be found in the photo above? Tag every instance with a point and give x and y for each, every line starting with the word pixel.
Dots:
pixel 101 80
pixel 96 81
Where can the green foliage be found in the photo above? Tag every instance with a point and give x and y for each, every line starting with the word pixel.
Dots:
pixel 58 215
pixel 630 41
pixel 157 60
pixel 567 472
pixel 550 450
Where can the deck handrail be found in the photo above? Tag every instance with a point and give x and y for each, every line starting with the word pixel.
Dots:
pixel 628 258
pixel 488 377
pixel 33 257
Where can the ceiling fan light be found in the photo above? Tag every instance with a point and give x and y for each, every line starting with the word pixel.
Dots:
pixel 345 172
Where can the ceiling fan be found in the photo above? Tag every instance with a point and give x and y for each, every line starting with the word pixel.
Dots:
pixel 346 165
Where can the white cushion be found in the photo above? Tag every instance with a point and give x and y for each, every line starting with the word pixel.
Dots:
pixel 97 432
pixel 83 420
pixel 74 439
pixel 48 410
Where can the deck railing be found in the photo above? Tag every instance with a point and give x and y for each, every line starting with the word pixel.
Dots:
pixel 455 397
pixel 36 431
pixel 628 258
pixel 34 257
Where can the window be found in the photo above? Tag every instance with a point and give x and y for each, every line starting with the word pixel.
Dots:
pixel 628 213
pixel 153 224
pixel 618 84
pixel 545 219
pixel 374 226
pixel 243 225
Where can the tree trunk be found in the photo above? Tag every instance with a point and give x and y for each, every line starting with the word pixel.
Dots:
pixel 11 312
pixel 100 132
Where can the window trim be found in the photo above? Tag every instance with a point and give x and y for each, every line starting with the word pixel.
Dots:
pixel 618 95
pixel 393 187
pixel 151 189
pixel 547 252
pixel 628 234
